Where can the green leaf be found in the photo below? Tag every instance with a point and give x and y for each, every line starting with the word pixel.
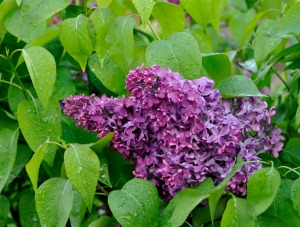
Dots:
pixel 295 195
pixel 103 142
pixel 8 151
pixel 4 209
pixel 101 19
pixel 27 211
pixel 23 155
pixel 203 39
pixel 289 25
pixel 63 86
pixel 291 152
pixel 103 221
pixel 215 196
pixel 144 8
pixel 262 188
pixel 42 70
pixel 183 203
pixel 176 55
pixel 199 10
pixel 75 38
pixel 215 15
pixel 78 209
pixel 103 3
pixel 82 168
pixel 47 125
pixel 170 17
pixel 265 220
pixel 136 204
pixel 282 207
pixel 7 122
pixel 54 202
pixel 6 7
pixel 238 86
pixel 110 75
pixel 33 166
pixel 218 66
pixel 120 42
pixel 238 212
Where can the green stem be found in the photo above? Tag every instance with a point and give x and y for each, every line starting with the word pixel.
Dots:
pixel 282 80
pixel 103 190
pixel 289 170
pixel 152 29
pixel 84 6
pixel 18 78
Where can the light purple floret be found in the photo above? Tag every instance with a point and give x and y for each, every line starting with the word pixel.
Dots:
pixel 178 132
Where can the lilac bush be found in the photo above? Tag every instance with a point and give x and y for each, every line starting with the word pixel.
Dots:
pixel 178 132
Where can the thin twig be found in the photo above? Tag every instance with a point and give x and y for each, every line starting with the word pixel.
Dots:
pixel 152 29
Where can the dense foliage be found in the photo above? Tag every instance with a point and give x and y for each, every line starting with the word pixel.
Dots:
pixel 181 112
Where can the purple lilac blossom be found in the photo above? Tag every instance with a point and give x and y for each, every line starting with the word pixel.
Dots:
pixel 178 132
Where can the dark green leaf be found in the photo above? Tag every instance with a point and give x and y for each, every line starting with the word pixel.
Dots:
pixel 110 75
pixel 238 86
pixel 8 151
pixel 265 220
pixel 144 8
pixel 173 53
pixel 47 125
pixel 42 70
pixel 63 87
pixel 183 203
pixel 262 188
pixel 78 209
pixel 27 211
pixel 54 202
pixel 218 66
pixel 286 186
pixel 120 42
pixel 295 195
pixel 170 17
pixel 103 221
pixel 199 10
pixel 82 168
pixel 75 38
pixel 4 209
pixel 136 204
pixel 291 152
pixel 238 212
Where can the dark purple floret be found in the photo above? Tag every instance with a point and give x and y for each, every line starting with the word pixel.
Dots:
pixel 178 132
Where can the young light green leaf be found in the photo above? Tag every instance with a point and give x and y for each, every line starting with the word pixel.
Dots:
pixel 75 38
pixel 120 42
pixel 78 209
pixel 82 168
pixel 262 188
pixel 42 70
pixel 6 7
pixel 215 15
pixel 199 10
pixel 109 73
pixel 238 86
pixel 291 151
pixel 27 211
pixel 170 17
pixel 101 19
pixel 174 54
pixel 144 8
pixel 47 125
pixel 103 3
pixel 8 151
pixel 218 66
pixel 33 166
pixel 238 212
pixel 4 209
pixel 203 39
pixel 215 195
pixel 179 208
pixel 103 142
pixel 136 204
pixel 54 202
pixel 295 195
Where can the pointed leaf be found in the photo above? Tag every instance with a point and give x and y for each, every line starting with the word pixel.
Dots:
pixel 42 70
pixel 47 125
pixel 174 54
pixel 144 8
pixel 54 202
pixel 120 42
pixel 4 209
pixel 183 203
pixel 238 86
pixel 8 151
pixel 170 17
pixel 262 188
pixel 103 221
pixel 75 38
pixel 33 166
pixel 82 168
pixel 199 10
pixel 215 15
pixel 110 75
pixel 27 211
pixel 237 213
pixel 136 204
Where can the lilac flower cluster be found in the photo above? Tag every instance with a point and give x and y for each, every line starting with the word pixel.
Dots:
pixel 178 132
